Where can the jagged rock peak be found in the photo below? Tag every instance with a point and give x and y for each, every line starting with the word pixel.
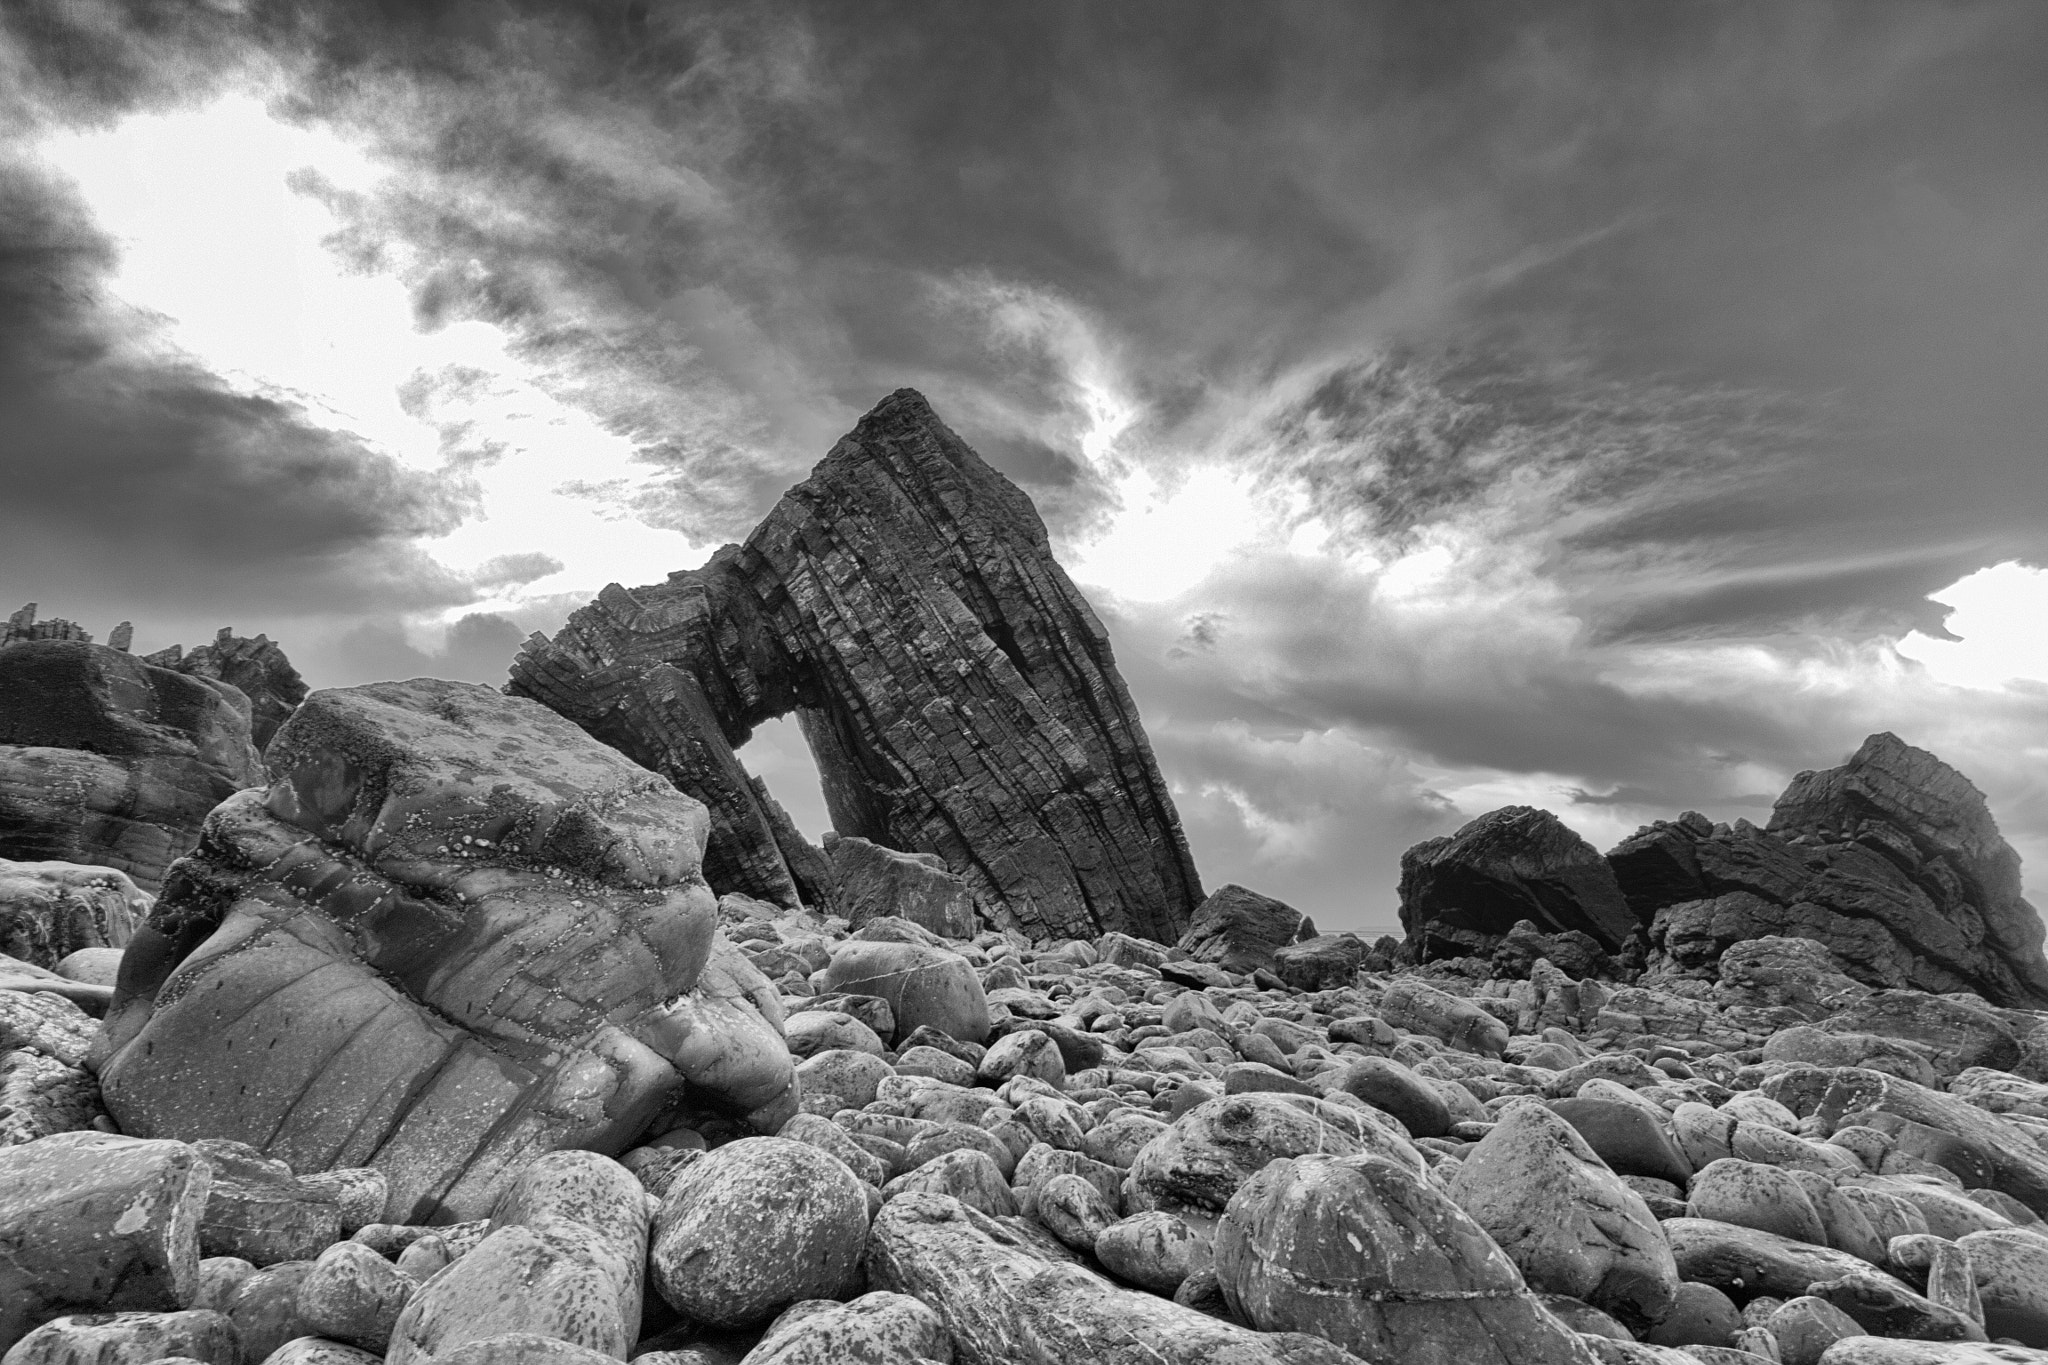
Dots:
pixel 958 693
pixel 259 668
pixel 1891 860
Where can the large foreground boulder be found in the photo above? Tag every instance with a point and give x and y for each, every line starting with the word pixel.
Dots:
pixel 452 934
pixel 1892 861
pixel 959 695
pixel 108 760
pixel 1463 893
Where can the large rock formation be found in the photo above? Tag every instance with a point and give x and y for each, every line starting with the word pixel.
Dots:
pixel 956 690
pixel 1463 893
pixel 256 666
pixel 452 933
pixel 110 760
pixel 1891 860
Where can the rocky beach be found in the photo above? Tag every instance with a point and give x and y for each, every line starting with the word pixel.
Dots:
pixel 431 1021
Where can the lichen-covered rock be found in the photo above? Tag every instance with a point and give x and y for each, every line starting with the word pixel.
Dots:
pixel 1755 1196
pixel 925 986
pixel 129 1339
pixel 353 1295
pixel 2011 1270
pixel 1006 1301
pixel 1210 1151
pixel 1027 1052
pixel 754 1226
pixel 259 1212
pixel 40 1096
pixel 566 1259
pixel 44 1022
pixel 50 910
pixel 1462 893
pixel 879 1328
pixel 959 695
pixel 91 1222
pixel 452 934
pixel 1570 1225
pixel 111 761
pixel 1154 1250
pixel 1367 1254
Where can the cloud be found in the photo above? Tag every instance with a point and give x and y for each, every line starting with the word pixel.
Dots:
pixel 477 648
pixel 134 470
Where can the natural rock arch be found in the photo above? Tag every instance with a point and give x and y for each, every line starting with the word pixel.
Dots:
pixel 957 692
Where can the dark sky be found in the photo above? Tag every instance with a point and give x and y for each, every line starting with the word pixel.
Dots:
pixel 1445 405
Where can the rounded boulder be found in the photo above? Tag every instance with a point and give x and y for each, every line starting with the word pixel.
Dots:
pixel 923 985
pixel 755 1226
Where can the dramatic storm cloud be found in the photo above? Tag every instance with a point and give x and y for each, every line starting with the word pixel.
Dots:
pixel 1611 407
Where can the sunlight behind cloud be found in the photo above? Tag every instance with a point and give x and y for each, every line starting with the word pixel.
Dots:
pixel 2001 615
pixel 218 233
pixel 1161 542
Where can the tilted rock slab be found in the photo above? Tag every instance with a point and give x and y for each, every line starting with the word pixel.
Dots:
pixel 958 693
pixel 1892 860
pixel 454 933
pixel 1006 1302
pixel 108 760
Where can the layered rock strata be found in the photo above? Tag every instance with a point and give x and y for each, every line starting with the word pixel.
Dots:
pixel 958 693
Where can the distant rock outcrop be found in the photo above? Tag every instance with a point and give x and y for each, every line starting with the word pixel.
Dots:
pixel 1462 894
pixel 1240 930
pixel 1892 861
pixel 452 934
pixel 258 667
pixel 110 760
pixel 956 690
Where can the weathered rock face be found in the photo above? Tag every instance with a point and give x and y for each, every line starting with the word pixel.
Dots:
pixel 1892 861
pixel 49 911
pixel 453 933
pixel 957 692
pixel 1463 893
pixel 108 760
pixel 257 667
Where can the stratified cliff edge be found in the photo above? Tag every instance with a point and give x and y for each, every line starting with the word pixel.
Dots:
pixel 957 691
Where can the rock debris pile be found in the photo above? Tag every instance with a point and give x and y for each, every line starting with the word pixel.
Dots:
pixel 443 1042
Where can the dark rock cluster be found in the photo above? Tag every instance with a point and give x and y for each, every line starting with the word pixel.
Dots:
pixel 1891 861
